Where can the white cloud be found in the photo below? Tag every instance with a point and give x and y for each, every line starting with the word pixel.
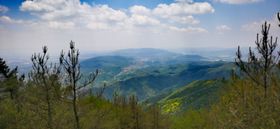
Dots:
pixel 80 14
pixel 3 9
pixel 61 25
pixel 251 26
pixel 105 13
pixel 8 20
pixel 47 5
pixel 143 20
pixel 223 28
pixel 181 12
pixel 98 26
pixel 188 29
pixel 180 8
pixel 83 15
pixel 54 9
pixel 187 1
pixel 238 1
pixel 184 19
pixel 138 9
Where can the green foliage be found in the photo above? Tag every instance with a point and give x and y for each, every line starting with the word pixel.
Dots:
pixel 46 101
pixel 249 102
pixel 198 94
pixel 242 106
pixel 10 82
pixel 192 119
pixel 245 107
pixel 153 81
pixel 171 106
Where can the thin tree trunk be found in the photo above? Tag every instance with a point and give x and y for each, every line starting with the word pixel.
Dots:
pixel 50 121
pixel 265 86
pixel 49 112
pixel 155 117
pixel 75 110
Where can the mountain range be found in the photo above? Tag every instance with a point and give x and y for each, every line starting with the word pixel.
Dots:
pixel 160 76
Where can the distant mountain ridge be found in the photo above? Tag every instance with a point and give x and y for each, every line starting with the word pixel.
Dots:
pixel 144 53
pixel 150 72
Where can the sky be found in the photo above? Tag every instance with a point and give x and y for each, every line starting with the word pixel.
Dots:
pixel 105 25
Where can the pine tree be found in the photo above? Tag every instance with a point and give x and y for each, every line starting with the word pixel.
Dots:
pixel 259 67
pixel 72 67
pixel 44 75
pixel 9 79
pixel 4 69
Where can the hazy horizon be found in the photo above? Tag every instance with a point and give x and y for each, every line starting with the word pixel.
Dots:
pixel 93 53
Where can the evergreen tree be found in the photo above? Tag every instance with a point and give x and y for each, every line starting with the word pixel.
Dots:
pixel 71 65
pixel 5 70
pixel 9 79
pixel 259 67
pixel 45 76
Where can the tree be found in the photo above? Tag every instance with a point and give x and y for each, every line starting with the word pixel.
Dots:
pixel 259 67
pixel 6 74
pixel 5 70
pixel 9 79
pixel 156 116
pixel 71 65
pixel 44 76
pixel 135 115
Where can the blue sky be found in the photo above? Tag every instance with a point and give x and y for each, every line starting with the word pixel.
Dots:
pixel 98 25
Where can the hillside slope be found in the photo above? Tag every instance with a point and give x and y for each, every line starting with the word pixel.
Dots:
pixel 151 82
pixel 197 94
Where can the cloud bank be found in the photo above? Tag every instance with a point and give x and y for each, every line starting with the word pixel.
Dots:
pixel 82 15
pixel 99 27
pixel 238 1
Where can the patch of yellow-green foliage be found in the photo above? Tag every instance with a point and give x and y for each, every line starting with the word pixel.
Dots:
pixel 171 106
pixel 200 93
